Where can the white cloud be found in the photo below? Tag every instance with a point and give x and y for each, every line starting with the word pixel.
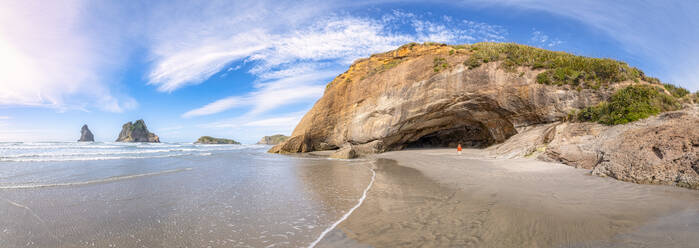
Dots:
pixel 294 65
pixel 541 39
pixel 276 122
pixel 286 121
pixel 216 107
pixel 192 66
pixel 50 59
pixel 270 94
pixel 341 39
pixel 250 129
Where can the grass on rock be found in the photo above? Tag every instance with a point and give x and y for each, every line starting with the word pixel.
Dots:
pixel 559 68
pixel 629 104
pixel 676 91
pixel 439 64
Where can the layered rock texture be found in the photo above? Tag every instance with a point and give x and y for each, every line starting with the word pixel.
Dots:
pixel 85 134
pixel 136 132
pixel 434 95
pixel 212 140
pixel 273 140
pixel 424 95
pixel 663 149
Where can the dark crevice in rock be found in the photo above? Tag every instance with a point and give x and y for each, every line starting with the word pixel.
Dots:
pixel 467 136
pixel 658 152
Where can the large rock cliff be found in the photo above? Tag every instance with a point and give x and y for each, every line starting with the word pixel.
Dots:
pixel 421 95
pixel 136 132
pixel 481 95
pixel 85 134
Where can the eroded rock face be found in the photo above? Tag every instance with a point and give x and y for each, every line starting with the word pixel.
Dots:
pixel 136 132
pixel 663 153
pixel 414 104
pixel 659 150
pixel 85 134
pixel 402 99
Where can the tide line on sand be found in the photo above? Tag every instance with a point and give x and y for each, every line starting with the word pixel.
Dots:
pixel 105 180
pixel 346 215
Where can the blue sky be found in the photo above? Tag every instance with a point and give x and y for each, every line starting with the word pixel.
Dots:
pixel 244 69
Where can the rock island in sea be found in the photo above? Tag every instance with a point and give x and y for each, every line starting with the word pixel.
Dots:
pixel 85 134
pixel 212 140
pixel 136 132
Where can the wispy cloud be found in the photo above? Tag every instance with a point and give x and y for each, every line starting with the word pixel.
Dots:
pixel 50 59
pixel 538 38
pixel 287 120
pixel 275 122
pixel 251 128
pixel 217 106
pixel 270 94
pixel 195 65
pixel 295 65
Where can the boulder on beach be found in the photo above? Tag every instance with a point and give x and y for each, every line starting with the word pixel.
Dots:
pixel 136 132
pixel 85 134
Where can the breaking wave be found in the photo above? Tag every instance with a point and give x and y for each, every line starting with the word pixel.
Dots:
pixel 80 151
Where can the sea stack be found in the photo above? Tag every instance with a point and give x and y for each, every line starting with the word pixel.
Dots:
pixel 273 140
pixel 136 132
pixel 85 134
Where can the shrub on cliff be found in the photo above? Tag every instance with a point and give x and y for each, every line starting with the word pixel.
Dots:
pixel 560 68
pixel 676 91
pixel 629 104
pixel 439 64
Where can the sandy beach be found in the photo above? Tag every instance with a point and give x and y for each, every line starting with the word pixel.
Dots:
pixel 240 197
pixel 436 198
pixel 246 197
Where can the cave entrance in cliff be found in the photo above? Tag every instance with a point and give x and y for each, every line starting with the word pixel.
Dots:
pixel 472 136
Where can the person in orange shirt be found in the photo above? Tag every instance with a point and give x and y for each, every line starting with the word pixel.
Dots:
pixel 458 149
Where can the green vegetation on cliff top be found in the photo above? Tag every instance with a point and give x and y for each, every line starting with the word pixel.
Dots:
pixel 560 68
pixel 626 105
pixel 676 91
pixel 212 140
pixel 629 104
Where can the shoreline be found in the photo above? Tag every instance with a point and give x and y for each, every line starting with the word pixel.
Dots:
pixel 436 198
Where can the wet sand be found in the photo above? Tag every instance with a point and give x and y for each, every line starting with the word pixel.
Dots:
pixel 436 198
pixel 229 199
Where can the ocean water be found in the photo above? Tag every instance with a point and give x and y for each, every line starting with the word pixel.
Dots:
pixel 107 194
